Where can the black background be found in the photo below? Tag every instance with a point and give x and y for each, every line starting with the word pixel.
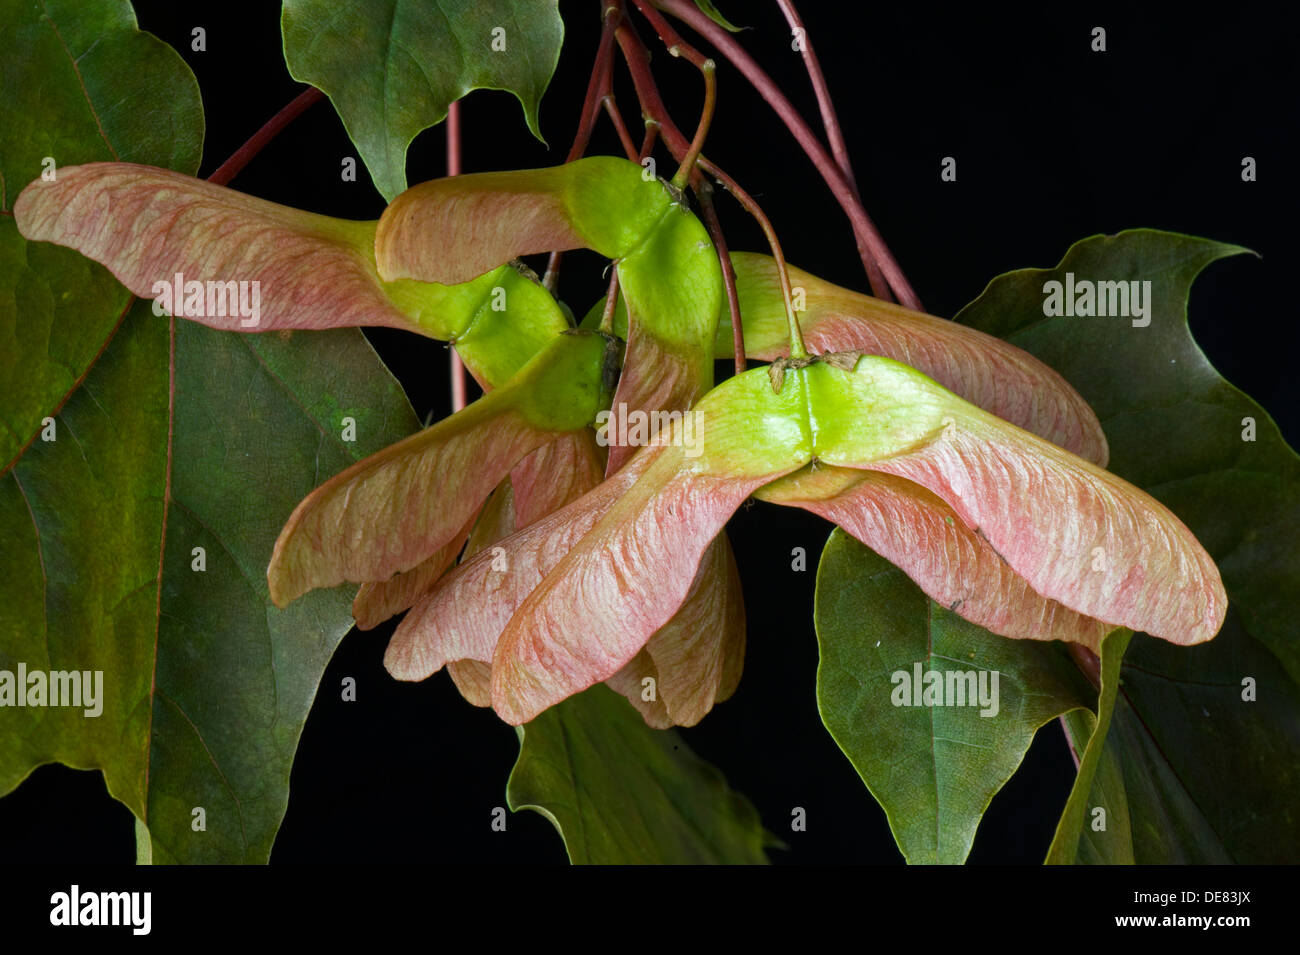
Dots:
pixel 1053 143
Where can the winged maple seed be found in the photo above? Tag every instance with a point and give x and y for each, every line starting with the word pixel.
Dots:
pixel 693 660
pixel 998 524
pixel 619 570
pixel 143 222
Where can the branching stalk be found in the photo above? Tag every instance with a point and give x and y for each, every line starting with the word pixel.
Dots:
pixel 653 110
pixel 708 69
pixel 883 270
pixel 598 87
pixel 657 120
pixel 683 174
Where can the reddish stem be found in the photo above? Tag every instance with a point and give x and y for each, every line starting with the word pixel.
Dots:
pixel 647 144
pixel 883 271
pixel 797 349
pixel 598 87
pixel 242 156
pixel 1069 742
pixel 659 122
pixel 683 174
pixel 670 37
pixel 458 396
pixel 611 303
pixel 453 139
pixel 1087 662
pixel 653 110
pixel 830 121
pixel 704 193
pixel 624 136
pixel 679 47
